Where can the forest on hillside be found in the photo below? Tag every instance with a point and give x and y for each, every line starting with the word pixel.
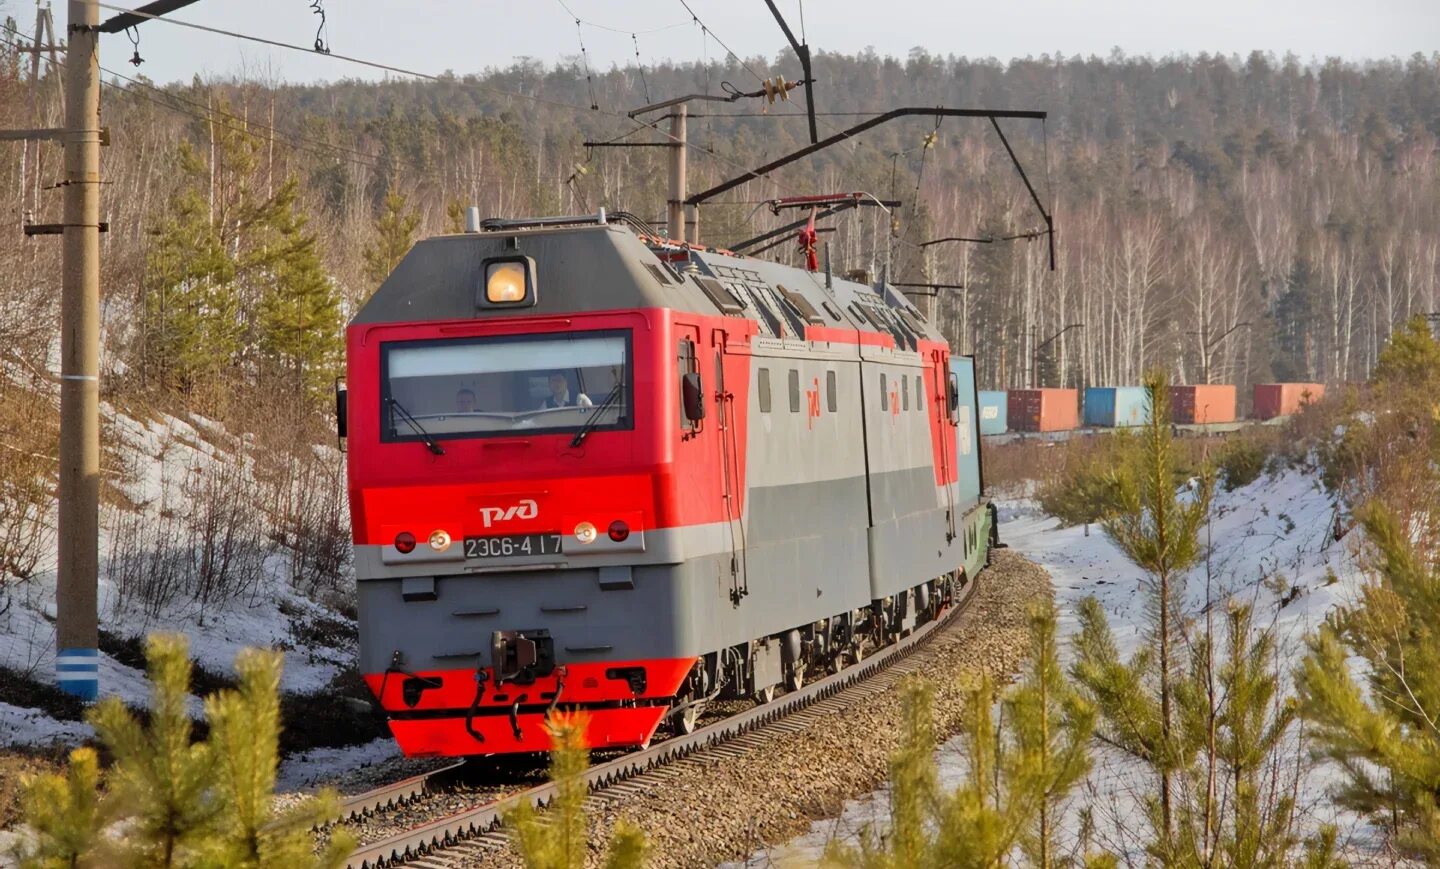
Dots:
pixel 249 218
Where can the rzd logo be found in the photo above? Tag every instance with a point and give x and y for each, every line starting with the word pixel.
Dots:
pixel 526 509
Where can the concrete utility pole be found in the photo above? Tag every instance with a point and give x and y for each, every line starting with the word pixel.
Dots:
pixel 76 628
pixel 675 204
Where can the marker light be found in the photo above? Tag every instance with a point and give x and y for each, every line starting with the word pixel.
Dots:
pixel 439 540
pixel 405 542
pixel 585 532
pixel 505 282
pixel 619 531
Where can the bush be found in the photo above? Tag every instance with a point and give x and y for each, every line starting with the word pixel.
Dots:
pixel 1241 461
pixel 1083 490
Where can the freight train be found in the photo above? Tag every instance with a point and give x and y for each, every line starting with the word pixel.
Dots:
pixel 594 470
pixel 1193 409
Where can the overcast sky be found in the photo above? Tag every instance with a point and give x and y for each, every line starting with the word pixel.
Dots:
pixel 469 35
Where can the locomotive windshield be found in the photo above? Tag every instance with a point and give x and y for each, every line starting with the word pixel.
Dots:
pixel 473 387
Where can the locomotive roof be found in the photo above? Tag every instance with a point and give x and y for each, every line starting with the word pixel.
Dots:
pixel 605 267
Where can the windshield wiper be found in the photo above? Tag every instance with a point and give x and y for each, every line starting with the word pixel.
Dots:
pixel 594 420
pixel 419 429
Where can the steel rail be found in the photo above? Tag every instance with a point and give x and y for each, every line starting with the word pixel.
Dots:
pixel 398 794
pixel 448 831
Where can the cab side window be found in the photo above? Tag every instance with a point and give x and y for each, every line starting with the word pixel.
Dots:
pixel 763 387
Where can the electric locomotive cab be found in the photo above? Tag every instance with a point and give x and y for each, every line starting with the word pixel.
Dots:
pixel 509 395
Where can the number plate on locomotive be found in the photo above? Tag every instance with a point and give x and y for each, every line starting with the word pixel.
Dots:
pixel 512 545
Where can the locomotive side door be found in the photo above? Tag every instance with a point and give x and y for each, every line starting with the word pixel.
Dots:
pixel 943 425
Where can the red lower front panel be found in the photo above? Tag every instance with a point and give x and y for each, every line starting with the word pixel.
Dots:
pixel 605 728
pixel 429 709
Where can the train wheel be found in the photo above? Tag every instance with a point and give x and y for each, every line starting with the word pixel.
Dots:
pixel 684 721
pixel 795 677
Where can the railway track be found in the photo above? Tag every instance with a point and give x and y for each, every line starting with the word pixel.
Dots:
pixel 467 836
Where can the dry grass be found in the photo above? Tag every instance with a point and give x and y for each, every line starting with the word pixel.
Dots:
pixel 15 764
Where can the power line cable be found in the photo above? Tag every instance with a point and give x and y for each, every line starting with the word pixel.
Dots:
pixel 423 75
pixel 721 42
pixel 598 26
pixel 207 113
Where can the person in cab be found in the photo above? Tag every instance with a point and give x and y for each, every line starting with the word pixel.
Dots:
pixel 465 401
pixel 560 394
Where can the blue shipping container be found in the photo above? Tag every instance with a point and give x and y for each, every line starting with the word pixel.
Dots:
pixel 994 409
pixel 1115 406
pixel 967 430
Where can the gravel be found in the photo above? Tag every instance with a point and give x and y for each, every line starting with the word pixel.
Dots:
pixel 710 809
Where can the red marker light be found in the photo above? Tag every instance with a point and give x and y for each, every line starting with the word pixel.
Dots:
pixel 405 542
pixel 619 531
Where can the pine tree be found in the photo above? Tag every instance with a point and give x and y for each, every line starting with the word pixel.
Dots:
pixel 244 741
pixel 298 322
pixel 910 840
pixel 191 324
pixel 160 780
pixel 66 815
pixel 1020 773
pixel 1384 734
pixel 454 217
pixel 1052 726
pixel 176 802
pixel 1411 357
pixel 560 839
pixel 1159 531
pixel 394 235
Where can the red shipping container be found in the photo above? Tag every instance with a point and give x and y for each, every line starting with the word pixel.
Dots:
pixel 1283 399
pixel 1044 409
pixel 1202 404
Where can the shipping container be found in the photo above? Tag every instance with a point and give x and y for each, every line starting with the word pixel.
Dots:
pixel 993 412
pixel 1113 406
pixel 967 430
pixel 1044 409
pixel 1195 405
pixel 1283 399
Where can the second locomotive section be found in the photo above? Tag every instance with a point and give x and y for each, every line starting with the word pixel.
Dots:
pixel 588 469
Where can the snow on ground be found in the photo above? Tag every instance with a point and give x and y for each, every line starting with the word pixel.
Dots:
pixel 159 455
pixel 306 770
pixel 31 726
pixel 1272 535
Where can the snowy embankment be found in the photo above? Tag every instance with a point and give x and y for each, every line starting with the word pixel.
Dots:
pixel 164 481
pixel 1272 547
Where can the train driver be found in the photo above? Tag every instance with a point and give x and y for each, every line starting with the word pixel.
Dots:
pixel 465 401
pixel 560 394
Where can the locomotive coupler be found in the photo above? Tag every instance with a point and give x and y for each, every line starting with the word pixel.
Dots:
pixel 521 656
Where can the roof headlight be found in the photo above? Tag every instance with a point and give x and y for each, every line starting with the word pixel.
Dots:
pixel 505 282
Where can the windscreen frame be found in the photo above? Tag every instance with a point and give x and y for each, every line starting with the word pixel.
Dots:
pixel 403 434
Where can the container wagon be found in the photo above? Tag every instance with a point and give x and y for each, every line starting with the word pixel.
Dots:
pixel 1116 406
pixel 1043 410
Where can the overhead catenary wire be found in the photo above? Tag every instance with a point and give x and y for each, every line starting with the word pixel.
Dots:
pixel 640 68
pixel 621 30
pixel 208 113
pixel 721 42
pixel 481 87
pixel 585 60
pixel 539 100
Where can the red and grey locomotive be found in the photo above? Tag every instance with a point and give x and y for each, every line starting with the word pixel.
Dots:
pixel 592 469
